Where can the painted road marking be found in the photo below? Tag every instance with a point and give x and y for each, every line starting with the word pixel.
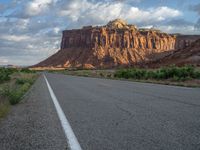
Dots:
pixel 71 138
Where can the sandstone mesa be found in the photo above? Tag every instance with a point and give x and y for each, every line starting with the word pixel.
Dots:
pixel 113 45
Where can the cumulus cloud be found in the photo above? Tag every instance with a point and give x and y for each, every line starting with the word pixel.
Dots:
pixel 197 25
pixel 36 7
pixel 15 38
pixel 3 61
pixel 32 8
pixel 190 29
pixel 2 7
pixel 31 30
pixel 180 22
pixel 85 12
pixel 195 8
pixel 36 48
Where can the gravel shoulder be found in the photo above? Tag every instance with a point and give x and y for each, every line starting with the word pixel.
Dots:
pixel 33 123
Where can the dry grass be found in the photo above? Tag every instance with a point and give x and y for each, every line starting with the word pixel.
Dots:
pixel 13 90
pixel 4 107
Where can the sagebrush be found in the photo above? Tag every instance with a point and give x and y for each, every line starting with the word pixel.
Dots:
pixel 171 72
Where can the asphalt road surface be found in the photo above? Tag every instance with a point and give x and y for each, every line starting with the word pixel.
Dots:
pixel 104 115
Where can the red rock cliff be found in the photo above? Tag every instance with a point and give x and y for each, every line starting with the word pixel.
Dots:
pixel 184 41
pixel 188 55
pixel 115 44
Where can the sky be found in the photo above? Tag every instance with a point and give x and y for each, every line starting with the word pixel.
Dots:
pixel 31 30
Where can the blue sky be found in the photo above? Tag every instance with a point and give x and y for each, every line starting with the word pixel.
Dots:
pixel 31 30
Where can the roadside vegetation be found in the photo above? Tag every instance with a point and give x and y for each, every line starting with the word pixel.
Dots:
pixel 171 75
pixel 14 83
pixel 5 74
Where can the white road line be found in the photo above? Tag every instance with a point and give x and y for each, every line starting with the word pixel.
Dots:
pixel 71 138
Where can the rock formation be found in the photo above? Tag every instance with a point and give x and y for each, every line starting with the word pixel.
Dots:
pixel 183 41
pixel 115 44
pixel 187 55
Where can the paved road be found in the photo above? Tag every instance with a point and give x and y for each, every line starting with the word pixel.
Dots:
pixel 105 115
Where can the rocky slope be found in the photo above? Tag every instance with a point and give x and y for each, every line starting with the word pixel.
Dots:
pixel 115 44
pixel 183 41
pixel 187 55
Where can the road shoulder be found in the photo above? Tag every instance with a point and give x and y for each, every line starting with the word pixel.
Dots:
pixel 33 124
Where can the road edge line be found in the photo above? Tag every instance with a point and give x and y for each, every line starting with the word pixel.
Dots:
pixel 72 141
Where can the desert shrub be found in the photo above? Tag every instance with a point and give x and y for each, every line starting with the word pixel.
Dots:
pixel 14 97
pixel 4 77
pixel 109 75
pixel 172 72
pixel 150 75
pixel 5 90
pixel 5 73
pixel 24 80
pixel 175 78
pixel 131 73
pixel 26 70
pixel 21 81
pixel 14 91
pixel 101 74
pixel 16 94
pixel 122 73
pixel 196 75
pixel 138 74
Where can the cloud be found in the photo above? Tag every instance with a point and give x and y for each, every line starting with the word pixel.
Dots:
pixel 85 12
pixel 36 7
pixel 190 29
pixel 3 61
pixel 179 23
pixel 2 7
pixel 14 38
pixel 197 25
pixel 32 8
pixel 31 30
pixel 36 48
pixel 195 8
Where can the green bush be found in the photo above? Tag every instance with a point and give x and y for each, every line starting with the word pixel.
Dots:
pixel 14 91
pixel 24 80
pixel 196 75
pixel 5 90
pixel 26 70
pixel 4 77
pixel 172 72
pixel 131 73
pixel 5 73
pixel 16 95
pixel 101 74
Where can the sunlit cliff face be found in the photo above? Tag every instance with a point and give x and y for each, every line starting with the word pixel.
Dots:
pixel 115 44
